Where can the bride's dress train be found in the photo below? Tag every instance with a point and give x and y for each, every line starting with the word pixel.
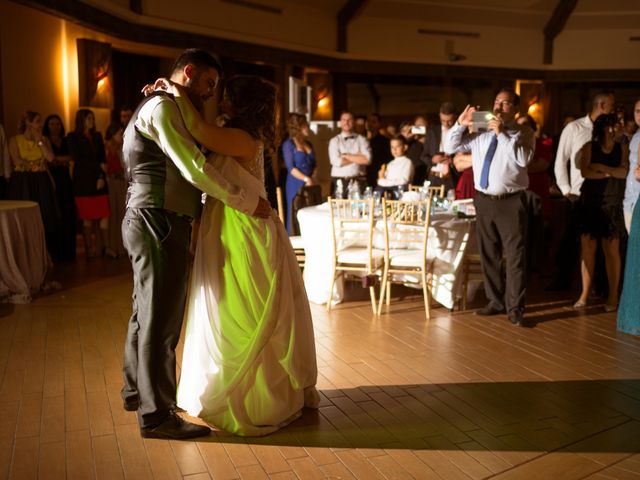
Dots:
pixel 249 361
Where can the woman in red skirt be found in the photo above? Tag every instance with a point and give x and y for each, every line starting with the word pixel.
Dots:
pixel 89 183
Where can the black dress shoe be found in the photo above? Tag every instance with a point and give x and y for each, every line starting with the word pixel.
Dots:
pixel 175 427
pixel 516 318
pixel 488 311
pixel 131 406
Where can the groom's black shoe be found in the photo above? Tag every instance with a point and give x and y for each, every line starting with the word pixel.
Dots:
pixel 175 427
pixel 131 406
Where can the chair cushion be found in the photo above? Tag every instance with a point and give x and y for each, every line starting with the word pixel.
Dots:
pixel 358 255
pixel 405 258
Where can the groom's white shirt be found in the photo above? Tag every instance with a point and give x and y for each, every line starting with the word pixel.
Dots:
pixel 159 120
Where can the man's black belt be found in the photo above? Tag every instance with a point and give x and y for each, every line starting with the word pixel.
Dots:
pixel 501 196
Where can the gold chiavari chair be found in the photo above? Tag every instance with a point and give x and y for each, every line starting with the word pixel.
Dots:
pixel 296 241
pixel 406 230
pixel 352 223
pixel 433 191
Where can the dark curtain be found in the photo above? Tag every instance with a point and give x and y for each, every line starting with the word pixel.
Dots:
pixel 132 72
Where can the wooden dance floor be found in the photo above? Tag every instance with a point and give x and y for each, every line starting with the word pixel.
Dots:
pixel 460 397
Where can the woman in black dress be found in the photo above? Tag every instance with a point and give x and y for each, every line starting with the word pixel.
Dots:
pixel 90 183
pixel 604 165
pixel 60 171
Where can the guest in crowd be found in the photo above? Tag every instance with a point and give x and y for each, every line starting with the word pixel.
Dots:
pixel 5 164
pixel 391 130
pixel 60 168
pixel 349 154
pixel 124 115
pixel 414 136
pixel 465 187
pixel 438 162
pixel 538 167
pixel 399 171
pixel 300 161
pixel 90 184
pixel 421 121
pixel 632 188
pixel 603 165
pixel 630 127
pixel 30 154
pixel 380 148
pixel 569 180
pixel 500 157
pixel 360 125
pixel 629 312
pixel 117 186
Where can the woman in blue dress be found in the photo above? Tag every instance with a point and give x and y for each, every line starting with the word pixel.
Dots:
pixel 299 159
pixel 629 308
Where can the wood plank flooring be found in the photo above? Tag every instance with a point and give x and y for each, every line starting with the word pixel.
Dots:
pixel 460 397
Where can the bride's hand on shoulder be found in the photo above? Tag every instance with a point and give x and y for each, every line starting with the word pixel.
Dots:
pixel 161 84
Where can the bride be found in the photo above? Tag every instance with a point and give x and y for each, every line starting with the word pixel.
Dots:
pixel 249 362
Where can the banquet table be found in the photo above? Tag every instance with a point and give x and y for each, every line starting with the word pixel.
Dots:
pixel 24 259
pixel 447 242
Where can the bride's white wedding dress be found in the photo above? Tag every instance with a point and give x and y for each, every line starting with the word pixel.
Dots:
pixel 249 360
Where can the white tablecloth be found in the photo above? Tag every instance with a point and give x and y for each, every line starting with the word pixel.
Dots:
pixel 447 243
pixel 24 260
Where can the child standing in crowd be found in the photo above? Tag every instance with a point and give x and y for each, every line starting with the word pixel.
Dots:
pixel 399 171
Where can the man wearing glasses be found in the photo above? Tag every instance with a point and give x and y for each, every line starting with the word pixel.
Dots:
pixel 500 156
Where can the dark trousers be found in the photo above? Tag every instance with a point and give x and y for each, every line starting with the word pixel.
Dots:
pixel 501 229
pixel 157 242
pixel 568 254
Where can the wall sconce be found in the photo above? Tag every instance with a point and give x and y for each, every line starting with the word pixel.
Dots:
pixel 321 86
pixel 531 93
pixel 323 103
pixel 94 74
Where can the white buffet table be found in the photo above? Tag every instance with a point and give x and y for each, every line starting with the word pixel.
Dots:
pixel 448 240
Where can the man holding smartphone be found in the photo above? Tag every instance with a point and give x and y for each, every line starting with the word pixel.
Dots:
pixel 500 156
pixel 438 164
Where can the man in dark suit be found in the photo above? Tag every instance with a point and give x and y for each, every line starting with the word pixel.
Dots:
pixel 439 165
pixel 380 148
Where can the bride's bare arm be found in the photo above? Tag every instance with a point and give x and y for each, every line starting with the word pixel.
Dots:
pixel 226 141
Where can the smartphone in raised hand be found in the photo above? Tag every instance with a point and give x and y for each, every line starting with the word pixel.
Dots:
pixel 480 121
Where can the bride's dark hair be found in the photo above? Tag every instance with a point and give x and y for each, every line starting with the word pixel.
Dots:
pixel 255 108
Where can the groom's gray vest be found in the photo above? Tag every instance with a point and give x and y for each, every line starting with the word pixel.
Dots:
pixel 154 180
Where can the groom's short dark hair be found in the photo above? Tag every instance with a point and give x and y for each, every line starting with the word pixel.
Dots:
pixel 198 58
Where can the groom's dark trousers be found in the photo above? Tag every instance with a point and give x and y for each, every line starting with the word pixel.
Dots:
pixel 156 233
pixel 157 242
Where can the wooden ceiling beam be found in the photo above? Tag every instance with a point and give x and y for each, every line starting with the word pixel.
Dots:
pixel 350 10
pixel 555 25
pixel 135 6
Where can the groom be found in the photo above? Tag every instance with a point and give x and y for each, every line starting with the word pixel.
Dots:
pixel 166 173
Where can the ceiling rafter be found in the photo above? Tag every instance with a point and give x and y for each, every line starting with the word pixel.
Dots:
pixel 555 25
pixel 350 10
